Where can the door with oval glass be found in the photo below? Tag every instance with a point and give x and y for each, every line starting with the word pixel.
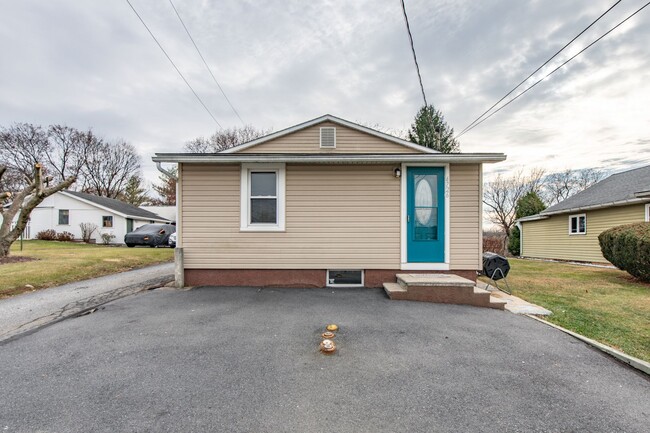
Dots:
pixel 425 218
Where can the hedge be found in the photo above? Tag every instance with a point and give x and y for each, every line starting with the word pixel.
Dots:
pixel 628 248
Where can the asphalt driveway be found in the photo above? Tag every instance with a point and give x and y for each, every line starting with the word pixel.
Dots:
pixel 246 360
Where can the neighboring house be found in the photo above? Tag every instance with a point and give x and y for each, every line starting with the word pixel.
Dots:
pixel 569 230
pixel 167 212
pixel 327 202
pixel 65 210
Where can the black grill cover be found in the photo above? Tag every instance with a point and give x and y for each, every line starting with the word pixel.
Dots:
pixel 492 262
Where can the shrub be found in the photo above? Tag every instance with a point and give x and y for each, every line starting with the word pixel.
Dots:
pixel 107 238
pixel 65 237
pixel 628 248
pixel 46 235
pixel 514 242
pixel 87 230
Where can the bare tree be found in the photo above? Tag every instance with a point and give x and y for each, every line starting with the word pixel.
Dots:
pixel 222 140
pixel 502 194
pixel 22 204
pixel 562 185
pixel 109 167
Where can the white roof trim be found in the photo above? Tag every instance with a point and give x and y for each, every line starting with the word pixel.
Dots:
pixel 341 158
pixel 107 209
pixel 545 215
pixel 333 119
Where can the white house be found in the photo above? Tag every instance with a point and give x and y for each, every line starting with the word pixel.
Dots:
pixel 65 210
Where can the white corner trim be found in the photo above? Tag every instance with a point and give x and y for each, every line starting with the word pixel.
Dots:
pixel 404 265
pixel 280 169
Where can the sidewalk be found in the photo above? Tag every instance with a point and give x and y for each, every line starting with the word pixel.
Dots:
pixel 30 311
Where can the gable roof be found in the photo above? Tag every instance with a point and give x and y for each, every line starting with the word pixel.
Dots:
pixel 117 206
pixel 333 119
pixel 628 187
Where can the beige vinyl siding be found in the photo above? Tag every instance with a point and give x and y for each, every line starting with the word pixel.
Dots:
pixel 549 238
pixel 464 214
pixel 348 140
pixel 337 216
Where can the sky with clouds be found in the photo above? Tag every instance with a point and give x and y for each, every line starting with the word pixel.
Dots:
pixel 92 64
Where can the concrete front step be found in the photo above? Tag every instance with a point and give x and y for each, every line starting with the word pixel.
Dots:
pixel 440 288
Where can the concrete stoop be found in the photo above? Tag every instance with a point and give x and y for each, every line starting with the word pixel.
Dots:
pixel 441 288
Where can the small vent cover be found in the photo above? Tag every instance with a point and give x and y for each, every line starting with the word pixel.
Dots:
pixel 328 137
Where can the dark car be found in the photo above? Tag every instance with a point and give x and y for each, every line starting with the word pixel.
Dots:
pixel 151 235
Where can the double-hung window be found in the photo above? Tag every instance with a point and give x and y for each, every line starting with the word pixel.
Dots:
pixel 578 224
pixel 262 197
pixel 64 217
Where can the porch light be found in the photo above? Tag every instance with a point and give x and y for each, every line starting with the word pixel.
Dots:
pixel 397 172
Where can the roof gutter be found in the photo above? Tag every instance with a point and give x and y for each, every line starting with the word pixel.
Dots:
pixel 459 158
pixel 167 173
pixel 546 215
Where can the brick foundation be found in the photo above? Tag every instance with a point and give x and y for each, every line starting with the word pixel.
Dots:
pixel 374 278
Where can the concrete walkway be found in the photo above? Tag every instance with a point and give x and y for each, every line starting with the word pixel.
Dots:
pixel 29 311
pixel 515 304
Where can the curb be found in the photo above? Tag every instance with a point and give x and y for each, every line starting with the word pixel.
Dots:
pixel 80 307
pixel 637 363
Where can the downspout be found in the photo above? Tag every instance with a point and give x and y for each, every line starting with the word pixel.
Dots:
pixel 179 264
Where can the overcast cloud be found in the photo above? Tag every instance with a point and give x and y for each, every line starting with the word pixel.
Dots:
pixel 92 64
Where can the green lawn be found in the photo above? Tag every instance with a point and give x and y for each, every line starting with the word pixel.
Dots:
pixel 63 262
pixel 606 305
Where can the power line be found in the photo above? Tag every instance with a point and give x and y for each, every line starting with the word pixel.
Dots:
pixel 537 70
pixel 555 70
pixel 174 65
pixel 415 59
pixel 205 63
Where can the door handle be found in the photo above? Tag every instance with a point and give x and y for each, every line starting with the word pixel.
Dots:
pixel 408 218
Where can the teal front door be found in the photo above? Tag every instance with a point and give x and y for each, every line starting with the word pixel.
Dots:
pixel 425 214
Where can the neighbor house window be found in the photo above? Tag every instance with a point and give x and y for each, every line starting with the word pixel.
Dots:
pixel 262 197
pixel 64 217
pixel 578 224
pixel 107 221
pixel 647 212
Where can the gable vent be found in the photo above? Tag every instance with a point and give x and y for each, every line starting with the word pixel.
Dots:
pixel 328 137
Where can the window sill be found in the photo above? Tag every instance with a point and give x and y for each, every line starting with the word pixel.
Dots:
pixel 577 234
pixel 262 229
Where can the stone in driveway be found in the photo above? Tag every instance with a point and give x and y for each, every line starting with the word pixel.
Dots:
pixel 225 359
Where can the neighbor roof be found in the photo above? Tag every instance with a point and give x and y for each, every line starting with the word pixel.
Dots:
pixel 628 187
pixel 117 206
pixel 333 119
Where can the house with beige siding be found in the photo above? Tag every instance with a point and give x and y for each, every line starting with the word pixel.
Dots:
pixel 569 230
pixel 327 203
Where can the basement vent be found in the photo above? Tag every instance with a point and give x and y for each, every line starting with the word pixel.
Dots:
pixel 328 137
pixel 344 278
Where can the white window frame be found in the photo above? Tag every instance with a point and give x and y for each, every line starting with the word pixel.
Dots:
pixel 245 201
pixel 320 137
pixel 647 212
pixel 327 278
pixel 578 233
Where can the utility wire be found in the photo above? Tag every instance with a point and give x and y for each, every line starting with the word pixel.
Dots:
pixel 537 70
pixel 415 59
pixel 555 70
pixel 205 63
pixel 174 65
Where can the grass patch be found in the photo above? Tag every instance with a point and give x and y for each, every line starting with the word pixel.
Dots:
pixel 57 263
pixel 606 305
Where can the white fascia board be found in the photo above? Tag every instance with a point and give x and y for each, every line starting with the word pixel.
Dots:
pixel 455 158
pixel 333 119
pixel 585 208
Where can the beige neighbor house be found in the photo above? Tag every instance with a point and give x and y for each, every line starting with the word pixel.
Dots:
pixel 569 230
pixel 327 203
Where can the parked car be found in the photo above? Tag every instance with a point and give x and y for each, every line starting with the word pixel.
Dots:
pixel 152 235
pixel 172 240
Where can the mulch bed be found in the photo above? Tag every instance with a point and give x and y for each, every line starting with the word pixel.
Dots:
pixel 15 259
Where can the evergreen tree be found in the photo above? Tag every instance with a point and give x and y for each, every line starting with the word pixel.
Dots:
pixel 166 189
pixel 430 130
pixel 134 193
pixel 529 204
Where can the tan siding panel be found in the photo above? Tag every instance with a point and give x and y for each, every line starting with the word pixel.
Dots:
pixel 464 224
pixel 550 238
pixel 336 216
pixel 347 141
